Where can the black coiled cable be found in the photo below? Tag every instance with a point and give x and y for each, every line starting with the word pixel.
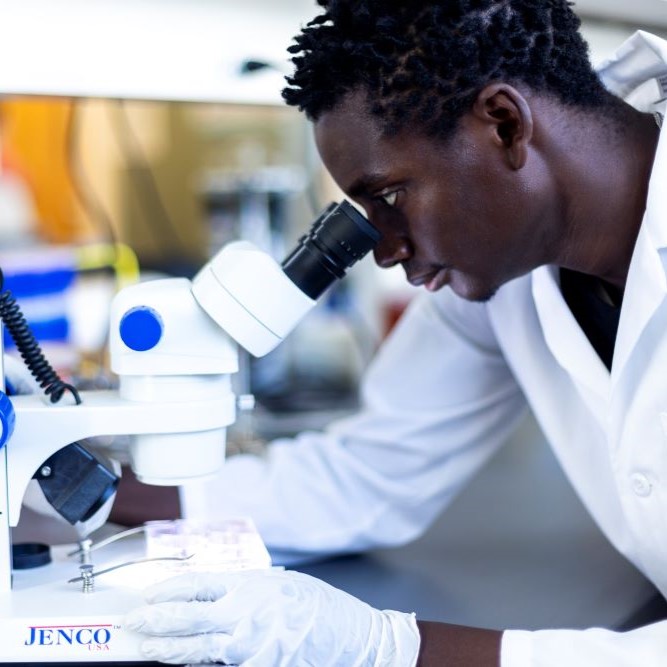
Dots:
pixel 29 349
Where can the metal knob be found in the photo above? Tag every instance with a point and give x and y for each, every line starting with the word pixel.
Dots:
pixel 87 577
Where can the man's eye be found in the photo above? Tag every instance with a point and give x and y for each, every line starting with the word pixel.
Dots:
pixel 389 198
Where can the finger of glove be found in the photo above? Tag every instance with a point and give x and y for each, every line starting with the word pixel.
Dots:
pixel 203 586
pixel 176 618
pixel 208 648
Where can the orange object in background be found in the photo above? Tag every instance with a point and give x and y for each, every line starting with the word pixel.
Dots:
pixel 391 313
pixel 34 145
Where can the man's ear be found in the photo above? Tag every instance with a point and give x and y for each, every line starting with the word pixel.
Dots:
pixel 504 107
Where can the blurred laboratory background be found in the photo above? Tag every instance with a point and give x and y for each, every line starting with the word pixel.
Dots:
pixel 138 136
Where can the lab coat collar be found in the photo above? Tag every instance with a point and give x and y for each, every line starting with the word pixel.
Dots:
pixel 638 72
pixel 656 199
pixel 646 285
pixel 640 59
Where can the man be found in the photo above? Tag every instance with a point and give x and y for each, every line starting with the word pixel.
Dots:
pixel 530 202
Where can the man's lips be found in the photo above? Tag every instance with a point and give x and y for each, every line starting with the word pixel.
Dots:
pixel 433 280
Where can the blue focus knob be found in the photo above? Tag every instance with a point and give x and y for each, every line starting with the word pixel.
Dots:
pixel 141 328
pixel 7 419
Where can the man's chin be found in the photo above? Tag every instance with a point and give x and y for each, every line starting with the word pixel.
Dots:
pixel 471 291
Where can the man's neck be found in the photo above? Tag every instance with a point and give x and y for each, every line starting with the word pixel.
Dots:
pixel 610 186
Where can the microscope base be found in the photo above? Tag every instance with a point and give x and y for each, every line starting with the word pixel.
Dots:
pixel 46 620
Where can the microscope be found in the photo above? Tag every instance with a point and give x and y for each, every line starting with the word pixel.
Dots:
pixel 173 347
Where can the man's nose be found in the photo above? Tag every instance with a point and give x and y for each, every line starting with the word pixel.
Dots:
pixel 391 251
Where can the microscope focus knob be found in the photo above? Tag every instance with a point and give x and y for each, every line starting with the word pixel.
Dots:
pixel 141 328
pixel 7 419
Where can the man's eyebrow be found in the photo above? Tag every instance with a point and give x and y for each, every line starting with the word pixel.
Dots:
pixel 365 183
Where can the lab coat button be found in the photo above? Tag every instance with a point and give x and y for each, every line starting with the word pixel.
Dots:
pixel 641 485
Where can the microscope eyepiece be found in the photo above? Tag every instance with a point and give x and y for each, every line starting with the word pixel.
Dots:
pixel 338 238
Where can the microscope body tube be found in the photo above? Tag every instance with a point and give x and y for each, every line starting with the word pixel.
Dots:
pixel 168 352
pixel 249 296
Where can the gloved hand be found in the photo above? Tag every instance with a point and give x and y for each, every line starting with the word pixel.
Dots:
pixel 269 619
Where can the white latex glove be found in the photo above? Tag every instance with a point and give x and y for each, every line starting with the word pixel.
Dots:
pixel 269 619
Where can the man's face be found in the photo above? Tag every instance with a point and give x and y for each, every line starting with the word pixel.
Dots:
pixel 451 213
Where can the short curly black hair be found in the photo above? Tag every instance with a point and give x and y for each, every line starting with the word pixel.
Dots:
pixel 425 62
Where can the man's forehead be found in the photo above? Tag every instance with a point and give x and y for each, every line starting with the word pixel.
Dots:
pixel 349 141
pixel 350 119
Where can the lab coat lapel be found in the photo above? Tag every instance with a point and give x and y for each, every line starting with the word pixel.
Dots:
pixel 565 339
pixel 642 60
pixel 646 286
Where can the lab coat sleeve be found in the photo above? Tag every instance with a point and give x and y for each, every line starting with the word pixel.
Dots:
pixel 645 646
pixel 437 402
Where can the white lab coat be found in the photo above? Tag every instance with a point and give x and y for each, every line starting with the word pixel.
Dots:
pixel 449 386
